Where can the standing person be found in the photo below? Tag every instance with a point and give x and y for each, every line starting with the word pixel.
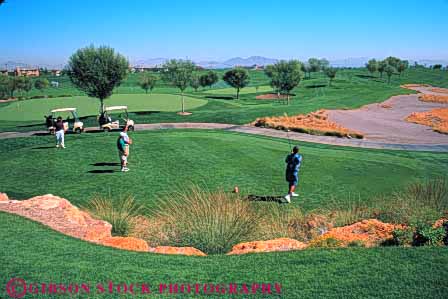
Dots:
pixel 293 162
pixel 123 143
pixel 60 132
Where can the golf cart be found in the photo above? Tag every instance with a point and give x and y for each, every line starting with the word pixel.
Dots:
pixel 70 124
pixel 109 120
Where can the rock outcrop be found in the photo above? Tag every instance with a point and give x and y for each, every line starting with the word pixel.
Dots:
pixel 59 214
pixel 128 243
pixel 177 250
pixel 280 244
pixel 370 233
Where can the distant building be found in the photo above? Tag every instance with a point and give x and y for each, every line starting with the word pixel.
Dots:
pixel 257 67
pixel 54 84
pixel 56 73
pixel 27 72
pixel 4 72
pixel 141 69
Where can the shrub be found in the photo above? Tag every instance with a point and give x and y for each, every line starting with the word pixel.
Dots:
pixel 425 234
pixel 356 243
pixel 325 243
pixel 209 221
pixel 403 237
pixel 424 202
pixel 292 223
pixel 355 212
pixel 121 213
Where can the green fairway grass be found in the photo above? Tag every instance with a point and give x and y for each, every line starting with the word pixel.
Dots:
pixel 246 90
pixel 352 88
pixel 35 109
pixel 39 255
pixel 164 161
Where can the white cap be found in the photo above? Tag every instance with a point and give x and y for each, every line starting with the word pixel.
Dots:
pixel 123 134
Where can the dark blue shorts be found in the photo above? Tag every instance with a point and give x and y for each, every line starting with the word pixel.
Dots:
pixel 292 179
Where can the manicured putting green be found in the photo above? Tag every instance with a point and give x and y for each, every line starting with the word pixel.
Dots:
pixel 245 90
pixel 163 161
pixel 35 109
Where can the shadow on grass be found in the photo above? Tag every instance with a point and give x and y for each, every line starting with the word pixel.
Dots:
pixel 42 134
pixel 144 112
pixel 102 171
pixel 220 97
pixel 42 147
pixel 316 86
pixel 268 198
pixel 105 164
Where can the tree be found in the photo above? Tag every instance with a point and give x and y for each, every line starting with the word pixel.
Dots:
pixel 314 64
pixel 4 87
pixel 41 84
pixel 23 84
pixel 331 73
pixel 179 73
pixel 324 63
pixel 393 61
pixel 381 67
pixel 194 83
pixel 147 82
pixel 97 71
pixel 402 66
pixel 272 72
pixel 389 70
pixel 285 76
pixel 437 67
pixel 305 67
pixel 237 78
pixel 372 66
pixel 208 79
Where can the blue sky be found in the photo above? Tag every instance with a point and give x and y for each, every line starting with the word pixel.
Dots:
pixel 49 31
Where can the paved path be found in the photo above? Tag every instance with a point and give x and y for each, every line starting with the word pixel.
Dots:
pixel 270 133
pixel 385 122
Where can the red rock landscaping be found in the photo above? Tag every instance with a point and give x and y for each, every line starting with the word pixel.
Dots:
pixel 281 244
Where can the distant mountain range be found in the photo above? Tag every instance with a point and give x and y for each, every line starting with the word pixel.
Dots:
pixel 236 61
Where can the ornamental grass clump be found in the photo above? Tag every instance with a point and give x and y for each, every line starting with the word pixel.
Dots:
pixel 420 202
pixel 212 222
pixel 120 213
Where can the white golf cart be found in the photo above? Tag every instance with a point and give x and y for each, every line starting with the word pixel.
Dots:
pixel 110 119
pixel 72 123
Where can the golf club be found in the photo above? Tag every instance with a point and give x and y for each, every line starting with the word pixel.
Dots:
pixel 287 134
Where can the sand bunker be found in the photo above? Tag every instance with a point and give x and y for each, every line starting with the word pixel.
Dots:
pixel 434 98
pixel 314 123
pixel 271 96
pixel 437 119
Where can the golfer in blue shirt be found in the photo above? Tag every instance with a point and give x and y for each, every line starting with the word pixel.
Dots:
pixel 293 162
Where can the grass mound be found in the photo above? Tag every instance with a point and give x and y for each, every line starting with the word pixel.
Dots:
pixel 437 119
pixel 314 123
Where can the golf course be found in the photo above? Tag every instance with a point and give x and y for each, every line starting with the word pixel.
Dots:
pixel 246 149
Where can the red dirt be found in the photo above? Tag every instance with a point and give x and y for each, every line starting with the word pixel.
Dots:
pixel 434 98
pixel 439 90
pixel 281 244
pixel 127 243
pixel 316 123
pixel 412 86
pixel 437 119
pixel 370 233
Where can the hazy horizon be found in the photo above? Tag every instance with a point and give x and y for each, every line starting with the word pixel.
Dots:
pixel 49 31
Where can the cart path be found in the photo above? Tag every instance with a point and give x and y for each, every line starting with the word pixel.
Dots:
pixel 385 122
pixel 360 143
